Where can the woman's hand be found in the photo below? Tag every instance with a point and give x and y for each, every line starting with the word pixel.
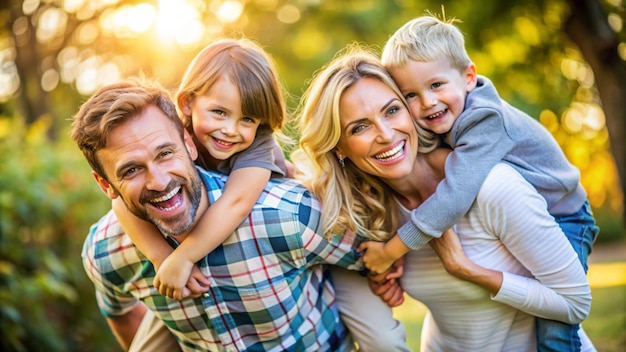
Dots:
pixel 448 248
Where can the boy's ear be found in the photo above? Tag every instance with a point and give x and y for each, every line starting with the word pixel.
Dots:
pixel 470 77
pixel 105 186
pixel 191 147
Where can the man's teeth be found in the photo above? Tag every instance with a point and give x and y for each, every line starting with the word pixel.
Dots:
pixel 391 154
pixel 166 197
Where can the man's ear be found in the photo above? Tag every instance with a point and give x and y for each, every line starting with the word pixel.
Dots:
pixel 470 77
pixel 185 107
pixel 191 147
pixel 105 186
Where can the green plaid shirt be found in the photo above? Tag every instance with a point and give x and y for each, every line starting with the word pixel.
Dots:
pixel 269 290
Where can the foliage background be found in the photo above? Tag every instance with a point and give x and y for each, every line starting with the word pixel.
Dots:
pixel 54 53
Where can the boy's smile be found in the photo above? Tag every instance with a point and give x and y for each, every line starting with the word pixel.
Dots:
pixel 435 91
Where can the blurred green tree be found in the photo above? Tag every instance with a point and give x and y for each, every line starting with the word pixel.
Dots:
pixel 561 61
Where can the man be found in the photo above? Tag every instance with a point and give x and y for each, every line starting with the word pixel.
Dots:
pixel 267 290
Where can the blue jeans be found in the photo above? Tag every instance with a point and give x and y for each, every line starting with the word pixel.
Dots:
pixel 581 231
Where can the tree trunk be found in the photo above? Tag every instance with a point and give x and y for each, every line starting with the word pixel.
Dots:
pixel 31 98
pixel 589 29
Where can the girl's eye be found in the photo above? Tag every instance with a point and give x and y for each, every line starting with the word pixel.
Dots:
pixel 410 95
pixel 219 112
pixel 248 119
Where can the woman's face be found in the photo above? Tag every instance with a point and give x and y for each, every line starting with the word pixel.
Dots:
pixel 377 132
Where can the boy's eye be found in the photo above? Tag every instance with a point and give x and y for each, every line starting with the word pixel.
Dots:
pixel 410 95
pixel 436 85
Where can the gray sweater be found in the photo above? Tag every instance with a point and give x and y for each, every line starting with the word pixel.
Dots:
pixel 490 131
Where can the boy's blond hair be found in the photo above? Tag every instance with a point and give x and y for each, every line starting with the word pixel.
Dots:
pixel 426 38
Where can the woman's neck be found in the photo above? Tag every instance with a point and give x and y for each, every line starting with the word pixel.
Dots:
pixel 414 188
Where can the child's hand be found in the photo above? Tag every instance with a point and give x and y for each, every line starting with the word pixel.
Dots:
pixel 172 276
pixel 375 257
pixel 198 284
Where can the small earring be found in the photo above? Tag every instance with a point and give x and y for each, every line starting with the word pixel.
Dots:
pixel 341 160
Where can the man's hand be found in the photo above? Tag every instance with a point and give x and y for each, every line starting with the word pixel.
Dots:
pixel 386 285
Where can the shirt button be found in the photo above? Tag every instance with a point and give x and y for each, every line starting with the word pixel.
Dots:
pixel 206 295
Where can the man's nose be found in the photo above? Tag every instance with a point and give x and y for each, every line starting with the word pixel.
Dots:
pixel 158 179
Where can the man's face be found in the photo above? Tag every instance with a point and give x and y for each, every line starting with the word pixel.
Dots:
pixel 150 167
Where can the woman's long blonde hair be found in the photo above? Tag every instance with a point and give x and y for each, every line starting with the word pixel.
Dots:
pixel 351 199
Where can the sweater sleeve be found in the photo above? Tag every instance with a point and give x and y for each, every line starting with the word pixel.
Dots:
pixel 480 141
pixel 518 215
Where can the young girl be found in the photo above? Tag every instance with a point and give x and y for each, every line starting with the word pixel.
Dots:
pixel 231 101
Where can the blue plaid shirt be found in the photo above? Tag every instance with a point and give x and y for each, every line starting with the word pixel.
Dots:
pixel 269 290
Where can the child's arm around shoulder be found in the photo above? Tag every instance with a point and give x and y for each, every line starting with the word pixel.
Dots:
pixel 144 235
pixel 480 141
pixel 242 190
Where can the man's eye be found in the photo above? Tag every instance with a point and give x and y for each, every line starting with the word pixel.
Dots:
pixel 129 172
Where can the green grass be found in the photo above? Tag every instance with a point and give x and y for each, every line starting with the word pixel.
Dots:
pixel 605 326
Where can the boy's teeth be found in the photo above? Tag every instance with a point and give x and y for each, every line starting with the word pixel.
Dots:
pixel 435 115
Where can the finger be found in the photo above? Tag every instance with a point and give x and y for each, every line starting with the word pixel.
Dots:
pixel 395 272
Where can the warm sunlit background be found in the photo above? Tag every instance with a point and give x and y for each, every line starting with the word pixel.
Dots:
pixel 54 53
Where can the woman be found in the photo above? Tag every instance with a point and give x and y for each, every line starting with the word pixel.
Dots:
pixel 358 153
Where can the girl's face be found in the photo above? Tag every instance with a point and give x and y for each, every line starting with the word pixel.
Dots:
pixel 218 122
pixel 377 133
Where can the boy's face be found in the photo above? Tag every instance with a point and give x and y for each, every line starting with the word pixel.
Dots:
pixel 435 91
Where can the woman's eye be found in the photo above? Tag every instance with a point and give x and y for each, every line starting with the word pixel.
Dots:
pixel 357 129
pixel 392 110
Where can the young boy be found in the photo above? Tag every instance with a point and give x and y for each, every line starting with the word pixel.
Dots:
pixel 428 61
